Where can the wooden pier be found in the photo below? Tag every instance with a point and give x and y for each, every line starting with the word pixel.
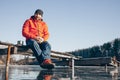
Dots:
pixel 24 50
pixel 12 49
pixel 64 58
pixel 67 59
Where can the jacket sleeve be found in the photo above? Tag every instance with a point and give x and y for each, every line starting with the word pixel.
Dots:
pixel 25 30
pixel 46 32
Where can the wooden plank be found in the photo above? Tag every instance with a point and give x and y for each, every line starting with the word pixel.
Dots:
pixel 100 61
pixel 93 61
pixel 5 43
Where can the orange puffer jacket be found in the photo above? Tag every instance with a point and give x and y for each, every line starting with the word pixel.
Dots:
pixel 33 28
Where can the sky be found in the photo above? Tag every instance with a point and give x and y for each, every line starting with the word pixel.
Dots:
pixel 72 24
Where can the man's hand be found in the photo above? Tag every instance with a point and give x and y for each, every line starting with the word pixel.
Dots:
pixel 39 39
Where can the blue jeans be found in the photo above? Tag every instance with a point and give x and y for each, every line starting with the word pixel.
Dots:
pixel 41 50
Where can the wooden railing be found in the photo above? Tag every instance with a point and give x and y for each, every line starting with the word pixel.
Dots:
pixel 25 49
pixel 9 45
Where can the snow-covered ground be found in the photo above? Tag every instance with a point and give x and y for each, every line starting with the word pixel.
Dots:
pixel 18 57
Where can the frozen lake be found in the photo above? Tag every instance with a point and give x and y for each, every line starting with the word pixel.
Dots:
pixel 60 73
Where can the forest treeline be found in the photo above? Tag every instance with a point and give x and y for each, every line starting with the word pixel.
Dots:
pixel 108 49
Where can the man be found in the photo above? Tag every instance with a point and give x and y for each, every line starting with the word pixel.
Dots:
pixel 36 33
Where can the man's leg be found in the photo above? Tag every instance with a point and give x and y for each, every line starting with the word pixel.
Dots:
pixel 46 50
pixel 36 49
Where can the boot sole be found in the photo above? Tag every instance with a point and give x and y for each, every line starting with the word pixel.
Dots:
pixel 48 66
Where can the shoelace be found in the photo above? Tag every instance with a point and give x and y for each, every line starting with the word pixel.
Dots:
pixel 47 61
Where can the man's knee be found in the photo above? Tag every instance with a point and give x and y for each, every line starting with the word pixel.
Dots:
pixel 46 44
pixel 31 42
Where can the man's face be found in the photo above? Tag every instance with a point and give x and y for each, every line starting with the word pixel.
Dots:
pixel 38 16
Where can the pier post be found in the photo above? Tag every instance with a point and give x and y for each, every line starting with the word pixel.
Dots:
pixel 7 62
pixel 73 69
pixel 106 67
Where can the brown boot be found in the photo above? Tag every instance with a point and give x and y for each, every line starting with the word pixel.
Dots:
pixel 47 64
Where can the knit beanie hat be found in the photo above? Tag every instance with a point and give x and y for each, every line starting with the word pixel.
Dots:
pixel 39 11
